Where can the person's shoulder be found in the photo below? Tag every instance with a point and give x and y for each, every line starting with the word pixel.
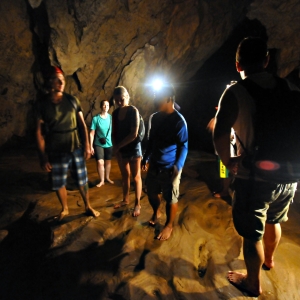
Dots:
pixel 95 117
pixel 133 108
pixel 157 115
pixel 179 118
pixel 69 96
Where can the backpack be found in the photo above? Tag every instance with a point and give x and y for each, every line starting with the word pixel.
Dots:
pixel 276 156
pixel 141 131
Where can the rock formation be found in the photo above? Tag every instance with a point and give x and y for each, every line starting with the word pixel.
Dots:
pixel 100 44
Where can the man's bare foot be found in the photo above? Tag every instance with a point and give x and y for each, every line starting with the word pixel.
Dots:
pixel 165 233
pixel 100 184
pixel 239 280
pixel 110 181
pixel 92 212
pixel 136 211
pixel 62 214
pixel 154 218
pixel 121 204
pixel 268 264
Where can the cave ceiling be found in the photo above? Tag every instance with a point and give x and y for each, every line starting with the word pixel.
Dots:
pixel 100 44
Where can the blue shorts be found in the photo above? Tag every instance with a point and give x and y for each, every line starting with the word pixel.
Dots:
pixel 61 162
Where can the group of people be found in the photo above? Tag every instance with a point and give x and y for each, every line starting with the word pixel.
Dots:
pixel 64 143
pixel 259 206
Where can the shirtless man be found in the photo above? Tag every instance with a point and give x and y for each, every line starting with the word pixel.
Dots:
pixel 167 150
pixel 60 147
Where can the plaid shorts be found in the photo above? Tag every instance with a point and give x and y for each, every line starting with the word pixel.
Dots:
pixel 61 162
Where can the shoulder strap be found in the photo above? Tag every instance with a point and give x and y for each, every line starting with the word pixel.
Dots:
pixel 72 101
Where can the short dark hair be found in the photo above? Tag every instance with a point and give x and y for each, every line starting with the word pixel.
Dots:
pixel 167 90
pixel 252 51
pixel 102 102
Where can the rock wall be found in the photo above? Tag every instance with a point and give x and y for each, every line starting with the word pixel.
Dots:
pixel 100 44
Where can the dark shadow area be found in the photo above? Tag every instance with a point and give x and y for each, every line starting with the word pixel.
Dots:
pixel 199 96
pixel 21 254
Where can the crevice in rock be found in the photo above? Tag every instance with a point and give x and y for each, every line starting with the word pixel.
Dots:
pixel 40 29
pixel 120 63
pixel 77 81
pixel 79 25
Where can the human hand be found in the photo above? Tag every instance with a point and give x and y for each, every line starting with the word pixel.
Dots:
pixel 144 166
pixel 87 153
pixel 45 164
pixel 233 164
pixel 92 150
pixel 174 173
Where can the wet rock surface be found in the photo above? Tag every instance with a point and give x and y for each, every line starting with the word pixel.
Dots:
pixel 117 256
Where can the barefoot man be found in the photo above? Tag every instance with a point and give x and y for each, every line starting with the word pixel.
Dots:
pixel 167 150
pixel 260 205
pixel 59 123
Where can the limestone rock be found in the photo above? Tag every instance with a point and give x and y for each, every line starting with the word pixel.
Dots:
pixel 16 81
pixel 281 19
pixel 100 44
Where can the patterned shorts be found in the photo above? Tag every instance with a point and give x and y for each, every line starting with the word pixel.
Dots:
pixel 61 162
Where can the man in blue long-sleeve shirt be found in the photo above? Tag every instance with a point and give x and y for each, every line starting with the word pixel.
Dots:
pixel 166 151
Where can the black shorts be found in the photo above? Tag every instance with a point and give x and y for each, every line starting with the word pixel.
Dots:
pixel 103 153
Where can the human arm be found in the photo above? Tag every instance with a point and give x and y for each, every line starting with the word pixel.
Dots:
pixel 148 151
pixel 182 147
pixel 225 119
pixel 44 162
pixel 92 135
pixel 85 139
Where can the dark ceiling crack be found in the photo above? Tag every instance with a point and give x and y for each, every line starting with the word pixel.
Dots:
pixel 120 63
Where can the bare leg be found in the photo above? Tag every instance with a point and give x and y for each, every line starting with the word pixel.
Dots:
pixel 107 170
pixel 271 240
pixel 125 172
pixel 62 197
pixel 171 210
pixel 84 191
pixel 135 169
pixel 155 201
pixel 254 258
pixel 100 168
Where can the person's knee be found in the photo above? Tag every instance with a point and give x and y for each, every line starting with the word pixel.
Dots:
pixel 101 162
pixel 137 178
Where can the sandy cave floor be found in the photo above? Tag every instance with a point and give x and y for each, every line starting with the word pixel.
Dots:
pixel 117 256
